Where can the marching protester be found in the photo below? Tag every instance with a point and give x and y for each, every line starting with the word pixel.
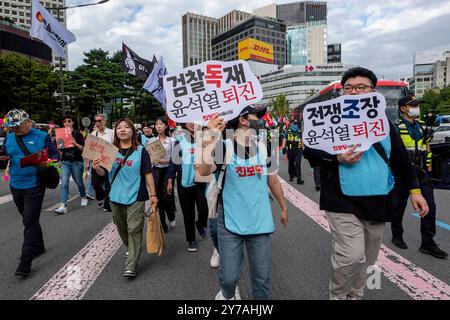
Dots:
pixel 72 165
pixel 357 223
pixel 101 183
pixel 129 177
pixel 244 211
pixel 293 144
pixel 416 142
pixel 26 186
pixel 166 203
pixel 148 132
pixel 190 193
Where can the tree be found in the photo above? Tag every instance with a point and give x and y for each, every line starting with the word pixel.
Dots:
pixel 28 85
pixel 280 106
pixel 436 102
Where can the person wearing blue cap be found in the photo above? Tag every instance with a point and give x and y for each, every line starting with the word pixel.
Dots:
pixel 26 186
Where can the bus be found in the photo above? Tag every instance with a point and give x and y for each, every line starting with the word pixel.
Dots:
pixel 391 90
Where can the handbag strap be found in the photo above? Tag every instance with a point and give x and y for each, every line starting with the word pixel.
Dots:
pixel 120 167
pixel 22 145
pixel 380 150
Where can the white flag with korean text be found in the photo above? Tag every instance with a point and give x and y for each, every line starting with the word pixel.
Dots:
pixel 46 28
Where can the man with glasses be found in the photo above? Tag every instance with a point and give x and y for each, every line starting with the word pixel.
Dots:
pixel 357 223
pixel 72 166
pixel 101 184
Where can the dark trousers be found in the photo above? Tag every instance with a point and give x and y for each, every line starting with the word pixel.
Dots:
pixel 427 224
pixel 100 185
pixel 29 204
pixel 316 171
pixel 295 160
pixel 166 203
pixel 189 198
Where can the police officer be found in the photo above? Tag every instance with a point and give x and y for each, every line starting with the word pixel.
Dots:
pixel 293 144
pixel 416 141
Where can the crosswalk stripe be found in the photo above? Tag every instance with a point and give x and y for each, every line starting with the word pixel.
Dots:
pixel 6 199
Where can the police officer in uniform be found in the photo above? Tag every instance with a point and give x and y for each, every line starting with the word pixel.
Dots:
pixel 293 145
pixel 416 141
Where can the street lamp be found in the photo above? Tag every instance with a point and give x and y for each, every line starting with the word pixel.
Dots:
pixel 58 9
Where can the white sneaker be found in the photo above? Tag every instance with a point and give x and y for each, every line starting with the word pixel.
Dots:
pixel 84 202
pixel 214 259
pixel 61 210
pixel 220 296
pixel 173 223
pixel 127 254
pixel 237 293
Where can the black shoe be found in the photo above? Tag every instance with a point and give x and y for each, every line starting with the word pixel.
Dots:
pixel 434 251
pixel 317 188
pixel 398 242
pixel 300 181
pixel 192 246
pixel 291 179
pixel 23 269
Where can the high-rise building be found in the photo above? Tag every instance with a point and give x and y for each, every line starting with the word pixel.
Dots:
pixel 198 31
pixel 441 71
pixel 225 45
pixel 334 53
pixel 307 43
pixel 296 12
pixel 19 12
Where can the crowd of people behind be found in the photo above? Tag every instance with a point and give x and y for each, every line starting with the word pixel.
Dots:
pixel 244 218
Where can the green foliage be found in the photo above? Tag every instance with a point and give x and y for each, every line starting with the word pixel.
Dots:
pixel 280 106
pixel 436 102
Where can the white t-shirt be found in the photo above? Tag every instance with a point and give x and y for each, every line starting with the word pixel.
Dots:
pixel 108 135
pixel 168 144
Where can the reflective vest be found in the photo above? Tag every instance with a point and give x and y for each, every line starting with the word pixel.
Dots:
pixel 294 140
pixel 417 150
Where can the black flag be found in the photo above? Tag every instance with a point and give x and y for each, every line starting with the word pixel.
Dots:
pixel 135 65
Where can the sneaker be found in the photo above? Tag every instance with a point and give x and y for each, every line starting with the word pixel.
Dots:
pixel 237 293
pixel 100 204
pixel 104 210
pixel 300 181
pixel 84 202
pixel 61 210
pixel 215 258
pixel 129 274
pixel 173 223
pixel 434 251
pixel 317 188
pixel 127 254
pixel 398 242
pixel 192 246
pixel 220 296
pixel 90 197
pixel 23 269
pixel 291 179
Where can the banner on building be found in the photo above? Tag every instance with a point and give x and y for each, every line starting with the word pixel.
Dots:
pixel 252 49
pixel 46 28
pixel 337 125
pixel 213 87
pixel 135 65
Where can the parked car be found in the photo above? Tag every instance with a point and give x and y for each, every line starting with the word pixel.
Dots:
pixel 441 134
pixel 441 120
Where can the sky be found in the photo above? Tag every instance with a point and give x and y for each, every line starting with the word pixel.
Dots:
pixel 381 35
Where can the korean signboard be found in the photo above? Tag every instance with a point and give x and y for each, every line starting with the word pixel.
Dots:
pixel 336 125
pixel 97 148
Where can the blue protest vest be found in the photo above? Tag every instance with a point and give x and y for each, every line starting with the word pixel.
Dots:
pixel 245 195
pixel 24 178
pixel 126 186
pixel 371 176
pixel 187 164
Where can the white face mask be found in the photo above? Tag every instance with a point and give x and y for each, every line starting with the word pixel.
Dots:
pixel 414 112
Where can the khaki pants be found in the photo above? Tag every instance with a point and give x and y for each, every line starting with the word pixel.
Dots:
pixel 356 244
pixel 130 224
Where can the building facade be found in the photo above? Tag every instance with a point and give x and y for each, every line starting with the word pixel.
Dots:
pixel 298 83
pixel 19 12
pixel 441 71
pixel 302 12
pixel 307 43
pixel 225 45
pixel 334 53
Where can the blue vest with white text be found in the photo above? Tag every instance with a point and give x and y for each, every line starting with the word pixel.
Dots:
pixel 245 195
pixel 371 176
pixel 126 186
pixel 187 165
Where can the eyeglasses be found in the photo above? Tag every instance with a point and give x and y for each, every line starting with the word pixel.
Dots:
pixel 67 121
pixel 358 88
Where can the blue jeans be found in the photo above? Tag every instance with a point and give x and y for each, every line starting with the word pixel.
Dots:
pixel 213 232
pixel 232 260
pixel 90 187
pixel 74 169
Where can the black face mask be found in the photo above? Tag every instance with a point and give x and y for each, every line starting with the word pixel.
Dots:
pixel 257 124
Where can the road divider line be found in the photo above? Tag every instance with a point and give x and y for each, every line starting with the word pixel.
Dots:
pixel 440 224
pixel 414 281
pixel 73 280
pixel 6 199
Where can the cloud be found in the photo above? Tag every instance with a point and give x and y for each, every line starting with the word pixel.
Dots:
pixel 382 35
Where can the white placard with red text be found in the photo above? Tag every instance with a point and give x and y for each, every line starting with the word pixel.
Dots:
pixel 336 125
pixel 199 92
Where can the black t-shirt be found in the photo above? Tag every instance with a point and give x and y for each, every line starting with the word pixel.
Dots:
pixel 146 167
pixel 74 154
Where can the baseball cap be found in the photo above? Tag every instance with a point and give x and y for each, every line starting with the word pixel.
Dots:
pixel 408 100
pixel 251 109
pixel 16 117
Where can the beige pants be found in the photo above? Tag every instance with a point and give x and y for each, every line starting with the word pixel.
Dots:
pixel 356 244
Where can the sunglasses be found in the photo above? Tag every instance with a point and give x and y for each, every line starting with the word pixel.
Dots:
pixel 98 121
pixel 67 121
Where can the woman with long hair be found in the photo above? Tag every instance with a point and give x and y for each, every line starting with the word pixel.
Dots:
pixel 166 202
pixel 130 175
